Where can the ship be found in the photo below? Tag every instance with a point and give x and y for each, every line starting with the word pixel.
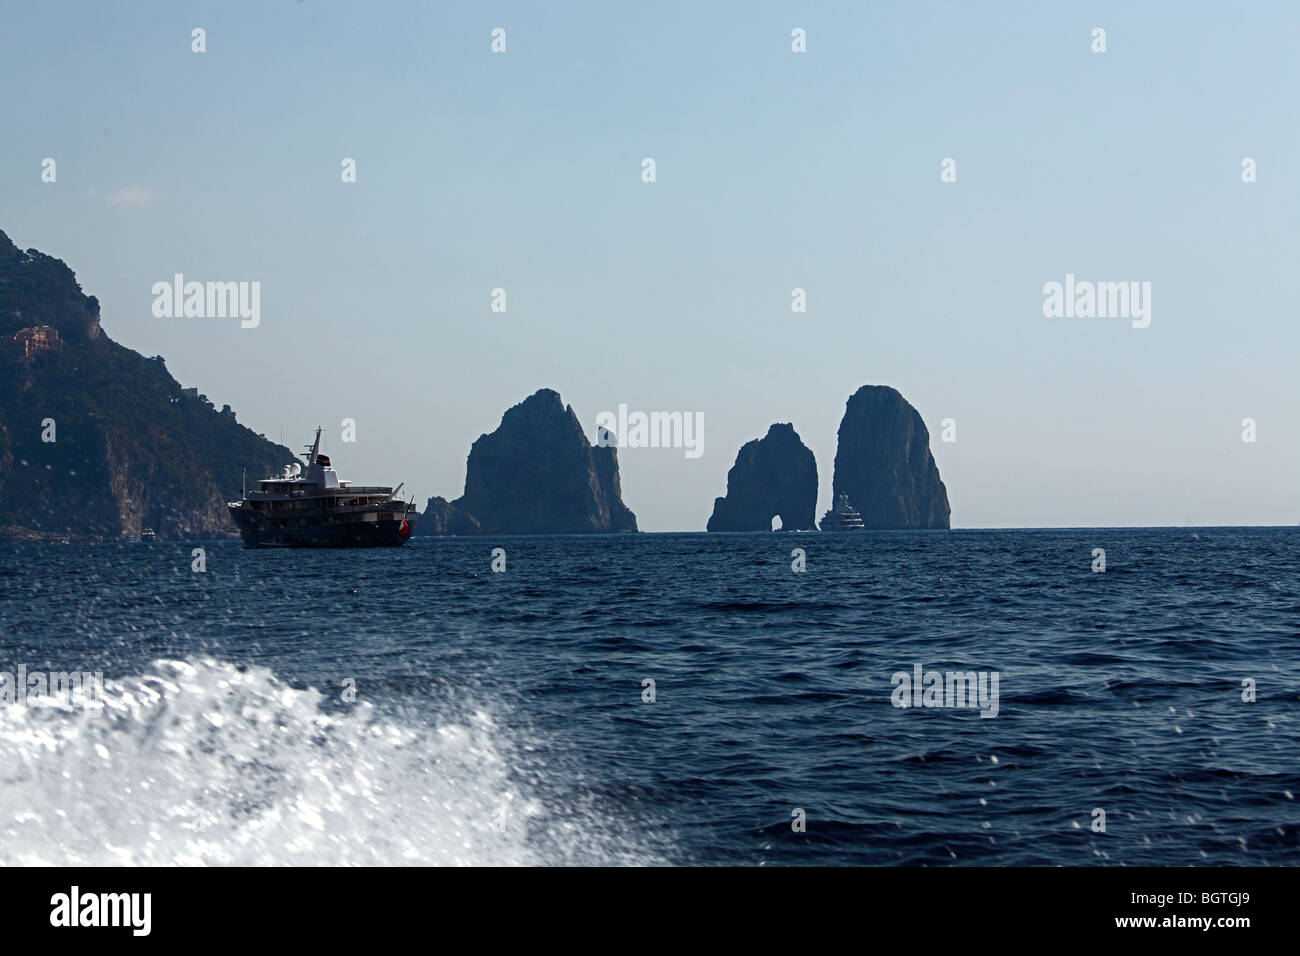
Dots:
pixel 842 517
pixel 314 508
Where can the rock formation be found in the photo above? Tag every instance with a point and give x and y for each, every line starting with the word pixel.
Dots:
pixel 774 475
pixel 126 447
pixel 536 474
pixel 442 517
pixel 883 463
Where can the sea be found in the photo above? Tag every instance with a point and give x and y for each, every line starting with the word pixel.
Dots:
pixel 651 699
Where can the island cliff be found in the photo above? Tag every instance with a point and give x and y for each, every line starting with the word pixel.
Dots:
pixel 883 463
pixel 96 440
pixel 536 474
pixel 774 475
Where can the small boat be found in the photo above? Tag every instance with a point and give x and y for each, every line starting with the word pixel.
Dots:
pixel 317 509
pixel 148 534
pixel 842 517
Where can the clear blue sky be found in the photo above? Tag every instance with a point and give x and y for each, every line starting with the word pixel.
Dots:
pixel 775 170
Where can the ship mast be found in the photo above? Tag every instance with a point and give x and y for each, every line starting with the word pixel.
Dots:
pixel 315 447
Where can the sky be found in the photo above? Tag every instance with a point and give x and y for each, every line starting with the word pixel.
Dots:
pixel 774 170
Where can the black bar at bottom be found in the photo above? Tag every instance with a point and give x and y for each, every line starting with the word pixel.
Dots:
pixel 348 906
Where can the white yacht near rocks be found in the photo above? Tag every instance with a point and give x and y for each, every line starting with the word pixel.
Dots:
pixel 842 517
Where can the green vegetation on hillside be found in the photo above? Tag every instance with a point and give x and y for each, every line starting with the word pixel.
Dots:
pixel 131 450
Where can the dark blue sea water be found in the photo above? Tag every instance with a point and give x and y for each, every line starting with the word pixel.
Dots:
pixel 499 717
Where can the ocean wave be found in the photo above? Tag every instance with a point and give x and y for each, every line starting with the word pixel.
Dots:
pixel 208 763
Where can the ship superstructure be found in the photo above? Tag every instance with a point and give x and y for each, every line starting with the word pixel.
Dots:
pixel 314 508
pixel 843 517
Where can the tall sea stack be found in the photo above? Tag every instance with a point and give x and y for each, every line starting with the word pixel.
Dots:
pixel 883 463
pixel 536 474
pixel 774 475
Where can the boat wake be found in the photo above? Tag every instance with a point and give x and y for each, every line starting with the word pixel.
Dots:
pixel 208 763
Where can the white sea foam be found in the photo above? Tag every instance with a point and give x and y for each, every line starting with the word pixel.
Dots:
pixel 202 762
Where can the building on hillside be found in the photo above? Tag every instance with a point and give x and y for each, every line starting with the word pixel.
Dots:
pixel 27 342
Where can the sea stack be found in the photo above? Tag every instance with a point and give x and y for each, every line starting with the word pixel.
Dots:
pixel 773 476
pixel 883 463
pixel 536 474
